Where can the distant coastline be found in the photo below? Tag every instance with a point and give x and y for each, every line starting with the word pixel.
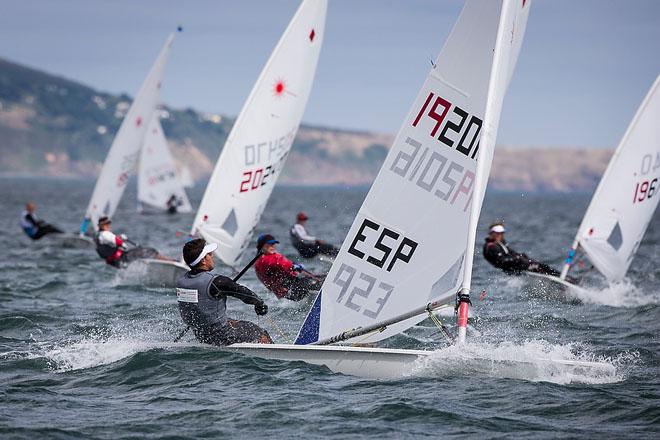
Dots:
pixel 51 126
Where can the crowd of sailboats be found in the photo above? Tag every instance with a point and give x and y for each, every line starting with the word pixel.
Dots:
pixel 388 275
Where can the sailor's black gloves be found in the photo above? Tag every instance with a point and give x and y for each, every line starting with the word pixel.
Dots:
pixel 260 309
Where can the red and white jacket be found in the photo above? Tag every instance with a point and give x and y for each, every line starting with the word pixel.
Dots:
pixel 275 271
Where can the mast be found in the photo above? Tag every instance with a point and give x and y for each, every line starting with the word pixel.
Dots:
pixel 484 160
pixel 568 262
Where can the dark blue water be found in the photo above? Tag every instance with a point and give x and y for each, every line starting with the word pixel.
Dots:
pixel 86 353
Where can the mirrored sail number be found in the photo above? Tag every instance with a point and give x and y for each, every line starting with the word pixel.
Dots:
pixel 384 249
pixel 433 172
pixel 127 167
pixel 163 176
pixel 649 164
pixel 647 188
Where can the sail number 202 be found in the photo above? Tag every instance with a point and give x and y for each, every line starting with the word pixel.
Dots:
pixel 255 179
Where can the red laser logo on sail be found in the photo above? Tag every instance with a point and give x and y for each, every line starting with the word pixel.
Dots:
pixel 279 88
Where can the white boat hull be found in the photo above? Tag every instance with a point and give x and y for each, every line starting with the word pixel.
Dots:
pixel 577 291
pixel 388 363
pixel 376 363
pixel 157 273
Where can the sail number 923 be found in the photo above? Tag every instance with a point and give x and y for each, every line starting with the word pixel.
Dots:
pixel 361 286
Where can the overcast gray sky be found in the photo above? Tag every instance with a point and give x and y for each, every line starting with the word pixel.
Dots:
pixel 584 68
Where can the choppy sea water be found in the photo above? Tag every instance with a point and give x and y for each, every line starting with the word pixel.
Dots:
pixel 87 353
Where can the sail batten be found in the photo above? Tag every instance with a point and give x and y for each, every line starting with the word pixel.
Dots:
pixel 407 245
pixel 260 140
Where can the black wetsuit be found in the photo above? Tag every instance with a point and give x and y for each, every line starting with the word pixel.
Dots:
pixel 500 255
pixel 207 315
pixel 173 205
pixel 309 247
pixel 300 287
pixel 34 228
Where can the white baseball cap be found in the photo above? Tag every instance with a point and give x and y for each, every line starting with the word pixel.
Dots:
pixel 208 248
pixel 498 228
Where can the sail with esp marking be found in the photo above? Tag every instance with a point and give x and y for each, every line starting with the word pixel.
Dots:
pixel 125 149
pixel 627 195
pixel 261 138
pixel 409 243
pixel 158 179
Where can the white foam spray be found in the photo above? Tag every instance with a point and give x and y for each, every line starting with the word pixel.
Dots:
pixel 532 360
pixel 622 294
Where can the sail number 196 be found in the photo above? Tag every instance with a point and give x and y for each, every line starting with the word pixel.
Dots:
pixel 646 189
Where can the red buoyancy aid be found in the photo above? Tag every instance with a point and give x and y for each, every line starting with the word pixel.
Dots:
pixel 275 271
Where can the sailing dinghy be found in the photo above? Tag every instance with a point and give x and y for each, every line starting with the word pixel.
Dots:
pixel 389 274
pixel 625 200
pixel 158 179
pixel 124 152
pixel 261 138
pixel 427 196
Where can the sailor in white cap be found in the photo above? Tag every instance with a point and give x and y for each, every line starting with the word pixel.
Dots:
pixel 498 253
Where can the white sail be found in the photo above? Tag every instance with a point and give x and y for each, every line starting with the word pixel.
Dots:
pixel 186 177
pixel 158 179
pixel 125 149
pixel 627 196
pixel 260 140
pixel 407 246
